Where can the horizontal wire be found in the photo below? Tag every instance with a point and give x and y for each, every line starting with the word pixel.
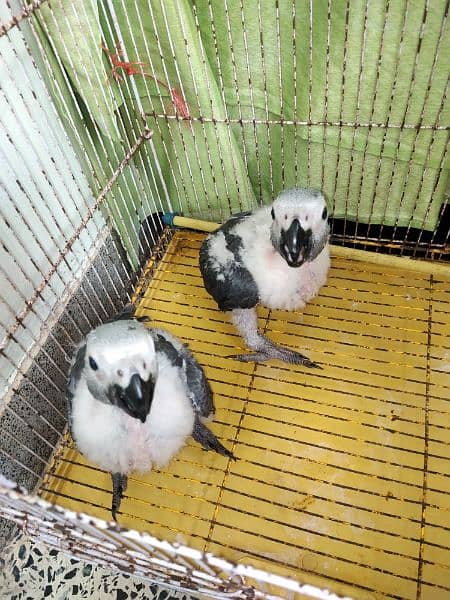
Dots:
pixel 272 502
pixel 342 468
pixel 345 453
pixel 294 490
pixel 295 122
pixel 352 488
pixel 320 303
pixel 279 486
pixel 173 275
pixel 393 418
pixel 195 277
pixel 389 243
pixel 123 513
pixel 332 277
pixel 331 500
pixel 145 135
pixel 310 336
pixel 195 241
pixel 137 498
pixel 286 320
pixel 253 401
pixel 325 377
pixel 297 475
pixel 340 435
pixel 253 497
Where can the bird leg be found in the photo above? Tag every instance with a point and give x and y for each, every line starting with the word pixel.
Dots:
pixel 208 440
pixel 245 319
pixel 119 485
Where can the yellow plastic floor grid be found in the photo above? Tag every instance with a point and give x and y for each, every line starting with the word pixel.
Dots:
pixel 343 474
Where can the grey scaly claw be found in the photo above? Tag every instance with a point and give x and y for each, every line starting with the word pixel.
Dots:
pixel 119 483
pixel 251 357
pixel 273 351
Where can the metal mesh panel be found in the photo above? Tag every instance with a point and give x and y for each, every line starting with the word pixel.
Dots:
pixel 149 558
pixel 114 112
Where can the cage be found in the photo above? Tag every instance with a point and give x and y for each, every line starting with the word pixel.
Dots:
pixel 115 113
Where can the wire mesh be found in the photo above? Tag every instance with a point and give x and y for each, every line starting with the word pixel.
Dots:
pixel 387 179
pixel 332 470
pixel 113 112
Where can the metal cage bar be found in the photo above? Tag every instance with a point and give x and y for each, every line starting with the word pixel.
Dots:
pixel 84 193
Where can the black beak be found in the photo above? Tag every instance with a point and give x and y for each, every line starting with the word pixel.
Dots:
pixel 295 244
pixel 136 399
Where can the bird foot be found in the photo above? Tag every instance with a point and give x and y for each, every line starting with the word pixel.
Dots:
pixel 284 354
pixel 251 357
pixel 119 484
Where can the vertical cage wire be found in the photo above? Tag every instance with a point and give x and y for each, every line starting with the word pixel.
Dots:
pixel 135 187
pixel 55 236
pixel 175 565
pixel 205 125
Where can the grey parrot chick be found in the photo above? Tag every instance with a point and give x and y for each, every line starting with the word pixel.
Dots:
pixel 278 256
pixel 136 394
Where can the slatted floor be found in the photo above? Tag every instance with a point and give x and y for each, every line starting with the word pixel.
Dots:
pixel 343 474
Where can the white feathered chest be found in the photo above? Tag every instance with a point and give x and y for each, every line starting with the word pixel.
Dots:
pixel 119 443
pixel 279 285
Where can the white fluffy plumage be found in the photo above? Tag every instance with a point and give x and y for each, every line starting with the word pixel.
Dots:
pixel 106 434
pixel 281 286
pixel 136 395
pixel 277 255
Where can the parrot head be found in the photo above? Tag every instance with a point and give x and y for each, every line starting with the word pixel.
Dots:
pixel 120 366
pixel 299 229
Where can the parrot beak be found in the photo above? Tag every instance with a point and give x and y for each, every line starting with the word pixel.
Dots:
pixel 136 398
pixel 295 244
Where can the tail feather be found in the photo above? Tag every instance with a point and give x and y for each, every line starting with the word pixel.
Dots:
pixel 208 440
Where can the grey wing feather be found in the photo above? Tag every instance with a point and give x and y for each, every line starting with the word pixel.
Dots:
pixel 76 369
pixel 75 374
pixel 200 391
pixel 179 355
pixel 234 286
pixel 163 344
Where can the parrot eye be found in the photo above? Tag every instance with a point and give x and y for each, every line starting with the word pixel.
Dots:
pixel 324 213
pixel 93 364
pixel 272 212
pixel 120 372
pixel 145 366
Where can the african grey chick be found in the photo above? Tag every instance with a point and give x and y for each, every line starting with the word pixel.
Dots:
pixel 136 395
pixel 278 256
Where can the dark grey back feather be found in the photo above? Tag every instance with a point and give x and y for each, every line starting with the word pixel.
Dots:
pixel 199 390
pixel 233 287
pixel 162 344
